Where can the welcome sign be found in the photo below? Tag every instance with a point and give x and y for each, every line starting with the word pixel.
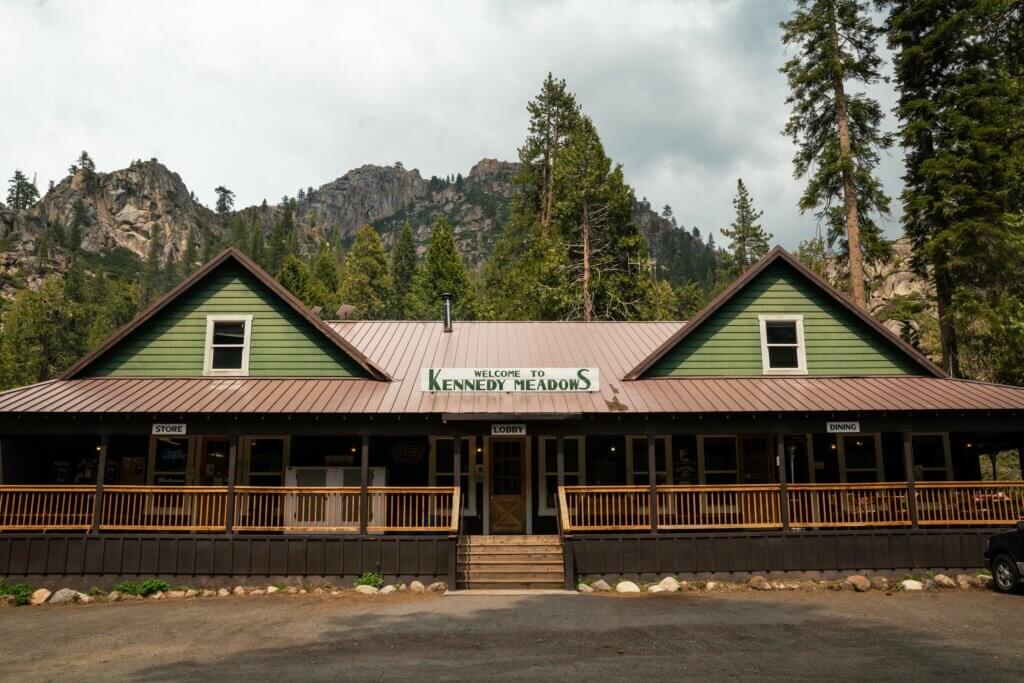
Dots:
pixel 496 380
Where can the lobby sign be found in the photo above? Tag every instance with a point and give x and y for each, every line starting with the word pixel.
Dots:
pixel 169 430
pixel 498 380
pixel 843 427
pixel 518 429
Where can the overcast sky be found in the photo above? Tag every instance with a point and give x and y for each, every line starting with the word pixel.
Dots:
pixel 269 97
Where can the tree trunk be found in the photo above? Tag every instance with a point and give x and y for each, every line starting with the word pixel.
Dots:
pixel 947 332
pixel 587 304
pixel 849 186
pixel 548 192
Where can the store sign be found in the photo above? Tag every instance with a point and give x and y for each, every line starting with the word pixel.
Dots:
pixel 169 430
pixel 843 427
pixel 496 380
pixel 508 430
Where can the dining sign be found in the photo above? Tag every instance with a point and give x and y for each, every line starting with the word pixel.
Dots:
pixel 497 380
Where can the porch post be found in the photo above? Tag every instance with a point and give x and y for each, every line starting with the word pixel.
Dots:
pixel 780 461
pixel 364 476
pixel 652 483
pixel 908 468
pixel 101 472
pixel 229 513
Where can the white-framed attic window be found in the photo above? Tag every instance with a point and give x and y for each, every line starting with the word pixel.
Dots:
pixel 226 353
pixel 782 344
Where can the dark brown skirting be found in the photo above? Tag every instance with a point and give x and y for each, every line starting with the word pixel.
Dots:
pixel 196 559
pixel 811 553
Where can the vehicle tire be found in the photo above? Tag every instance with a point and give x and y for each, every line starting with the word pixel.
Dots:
pixel 1005 576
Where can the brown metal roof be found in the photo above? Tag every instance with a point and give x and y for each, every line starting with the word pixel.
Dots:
pixel 779 254
pixel 401 349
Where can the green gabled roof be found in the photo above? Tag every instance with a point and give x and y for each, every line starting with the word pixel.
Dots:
pixel 334 355
pixel 704 345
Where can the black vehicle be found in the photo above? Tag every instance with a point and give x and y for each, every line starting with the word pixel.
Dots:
pixel 1005 558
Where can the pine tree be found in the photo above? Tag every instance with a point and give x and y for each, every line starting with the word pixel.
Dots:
pixel 188 261
pixel 366 284
pixel 169 277
pixel 38 340
pixel 838 133
pixel 225 200
pixel 22 193
pixel 152 282
pixel 79 217
pixel 441 271
pixel 748 241
pixel 403 269
pixel 85 162
pixel 690 299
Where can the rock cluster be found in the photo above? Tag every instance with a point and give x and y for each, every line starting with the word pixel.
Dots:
pixel 855 582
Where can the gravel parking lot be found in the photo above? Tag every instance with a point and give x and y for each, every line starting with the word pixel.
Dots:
pixel 949 635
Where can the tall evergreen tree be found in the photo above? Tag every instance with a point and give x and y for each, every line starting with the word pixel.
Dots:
pixel 748 241
pixel 21 192
pixel 441 270
pixel 838 133
pixel 85 161
pixel 225 200
pixel 152 281
pixel 188 260
pixel 403 269
pixel 170 275
pixel 38 340
pixel 366 284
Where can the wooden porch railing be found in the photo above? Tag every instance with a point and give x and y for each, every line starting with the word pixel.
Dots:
pixel 821 506
pixel 204 508
pixel 970 503
pixel 164 508
pixel 33 508
pixel 848 505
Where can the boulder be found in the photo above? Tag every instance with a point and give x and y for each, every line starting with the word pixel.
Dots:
pixel 584 588
pixel 223 592
pixel 929 584
pixel 963 581
pixel 238 590
pixel 912 585
pixel 712 585
pixel 6 601
pixel 402 588
pixel 291 590
pixel 669 584
pixel 318 591
pixel 982 581
pixel 684 585
pixel 943 581
pixel 257 592
pixel 113 596
pixel 880 583
pixel 84 599
pixel 759 583
pixel 626 587
pixel 207 593
pixel 417 587
pixel 64 596
pixel 655 589
pixel 176 594
pixel 40 596
pixel 388 590
pixel 437 587
pixel 860 583
pixel 367 590
pixel 158 595
pixel 272 589
pixel 601 585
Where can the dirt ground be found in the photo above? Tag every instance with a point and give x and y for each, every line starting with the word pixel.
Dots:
pixel 955 635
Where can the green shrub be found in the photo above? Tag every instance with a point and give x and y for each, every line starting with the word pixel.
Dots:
pixel 370 579
pixel 129 588
pixel 154 585
pixel 22 592
pixel 97 592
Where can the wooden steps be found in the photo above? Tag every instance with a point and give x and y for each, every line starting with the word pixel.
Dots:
pixel 533 562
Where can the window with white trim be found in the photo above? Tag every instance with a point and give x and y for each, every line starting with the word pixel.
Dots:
pixel 636 461
pixel 574 472
pixel 227 345
pixel 782 344
pixel 442 468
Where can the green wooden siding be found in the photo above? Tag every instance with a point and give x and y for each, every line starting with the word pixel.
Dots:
pixel 837 342
pixel 171 344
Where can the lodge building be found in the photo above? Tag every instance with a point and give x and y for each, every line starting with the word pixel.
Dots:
pixel 229 432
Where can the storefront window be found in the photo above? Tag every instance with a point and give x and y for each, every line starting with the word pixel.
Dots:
pixel 638 458
pixel 573 473
pixel 861 458
pixel 266 461
pixel 931 457
pixel 442 469
pixel 721 459
pixel 170 461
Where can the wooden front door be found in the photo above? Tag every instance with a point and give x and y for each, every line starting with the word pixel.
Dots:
pixel 508 492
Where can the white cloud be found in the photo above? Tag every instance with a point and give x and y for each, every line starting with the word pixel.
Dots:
pixel 269 97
